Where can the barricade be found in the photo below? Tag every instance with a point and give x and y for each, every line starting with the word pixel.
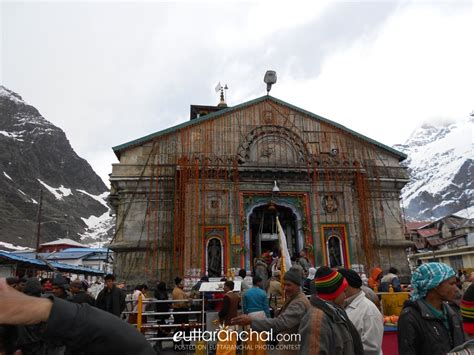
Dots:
pixel 151 327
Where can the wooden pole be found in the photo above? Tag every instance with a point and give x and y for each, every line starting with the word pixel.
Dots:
pixel 38 230
pixel 139 312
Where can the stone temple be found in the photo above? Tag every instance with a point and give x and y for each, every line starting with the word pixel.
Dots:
pixel 202 197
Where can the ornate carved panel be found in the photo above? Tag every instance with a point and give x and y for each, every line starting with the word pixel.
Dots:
pixel 272 144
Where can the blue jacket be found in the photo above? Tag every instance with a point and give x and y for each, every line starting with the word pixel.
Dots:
pixel 255 300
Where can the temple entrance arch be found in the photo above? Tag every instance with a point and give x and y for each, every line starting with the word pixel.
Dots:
pixel 261 233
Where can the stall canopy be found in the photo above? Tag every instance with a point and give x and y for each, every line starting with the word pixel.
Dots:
pixel 7 258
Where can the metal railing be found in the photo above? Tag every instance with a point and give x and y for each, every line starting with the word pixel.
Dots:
pixel 152 325
pixel 170 324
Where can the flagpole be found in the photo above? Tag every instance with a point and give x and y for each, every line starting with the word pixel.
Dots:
pixel 285 254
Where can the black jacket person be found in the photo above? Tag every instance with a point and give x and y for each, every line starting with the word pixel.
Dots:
pixel 111 299
pixel 427 324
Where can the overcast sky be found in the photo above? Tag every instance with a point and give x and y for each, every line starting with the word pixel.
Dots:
pixel 110 72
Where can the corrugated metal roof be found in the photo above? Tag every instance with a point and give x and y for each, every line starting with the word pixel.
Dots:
pixel 95 250
pixel 117 149
pixel 420 244
pixel 67 254
pixel 41 264
pixel 440 241
pixel 415 225
pixel 63 241
pixel 70 256
pixel 427 232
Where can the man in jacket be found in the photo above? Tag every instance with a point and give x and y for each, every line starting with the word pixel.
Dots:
pixel 80 294
pixel 61 288
pixel 427 324
pixel 363 313
pixel 390 279
pixel 180 318
pixel 326 329
pixel 230 305
pixel 289 318
pixel 111 299
pixel 275 291
pixel 255 300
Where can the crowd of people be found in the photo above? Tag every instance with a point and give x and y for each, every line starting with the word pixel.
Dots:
pixel 333 310
pixel 60 319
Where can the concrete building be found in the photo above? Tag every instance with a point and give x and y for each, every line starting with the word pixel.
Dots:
pixel 98 259
pixel 449 240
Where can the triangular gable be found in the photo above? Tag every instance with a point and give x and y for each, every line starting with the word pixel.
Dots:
pixel 119 148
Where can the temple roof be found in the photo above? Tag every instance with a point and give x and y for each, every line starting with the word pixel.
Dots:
pixel 122 147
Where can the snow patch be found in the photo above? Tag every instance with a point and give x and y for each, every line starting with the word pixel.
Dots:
pixel 99 198
pixel 10 95
pixel 12 135
pixel 58 192
pixel 466 213
pixel 6 175
pixel 32 199
pixel 97 227
pixel 435 156
pixel 11 246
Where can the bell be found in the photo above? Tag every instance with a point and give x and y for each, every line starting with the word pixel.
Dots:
pixel 271 206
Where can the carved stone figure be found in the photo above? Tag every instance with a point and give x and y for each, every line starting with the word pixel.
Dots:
pixel 330 204
pixel 214 258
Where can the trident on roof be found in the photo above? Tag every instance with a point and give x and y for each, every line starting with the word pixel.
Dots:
pixel 221 88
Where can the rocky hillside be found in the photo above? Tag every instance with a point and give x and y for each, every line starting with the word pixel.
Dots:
pixel 36 155
pixel 440 164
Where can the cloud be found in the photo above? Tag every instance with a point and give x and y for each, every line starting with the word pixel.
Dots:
pixel 108 73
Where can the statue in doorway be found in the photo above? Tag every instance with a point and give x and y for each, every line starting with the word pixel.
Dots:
pixel 335 257
pixel 214 258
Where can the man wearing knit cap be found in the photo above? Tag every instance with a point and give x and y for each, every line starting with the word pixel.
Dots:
pixel 427 324
pixel 363 313
pixel 61 288
pixel 288 320
pixel 80 294
pixel 326 329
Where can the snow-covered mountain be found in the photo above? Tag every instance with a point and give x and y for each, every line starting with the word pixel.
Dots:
pixel 36 155
pixel 440 164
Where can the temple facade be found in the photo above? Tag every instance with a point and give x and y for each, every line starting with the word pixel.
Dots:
pixel 202 197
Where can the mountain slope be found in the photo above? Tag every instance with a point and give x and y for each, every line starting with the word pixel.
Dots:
pixel 440 164
pixel 36 155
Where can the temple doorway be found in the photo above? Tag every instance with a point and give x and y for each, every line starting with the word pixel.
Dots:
pixel 263 229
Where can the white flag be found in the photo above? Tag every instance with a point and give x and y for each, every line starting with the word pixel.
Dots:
pixel 218 86
pixel 285 254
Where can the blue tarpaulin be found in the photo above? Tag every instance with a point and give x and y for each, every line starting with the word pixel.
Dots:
pixel 12 258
